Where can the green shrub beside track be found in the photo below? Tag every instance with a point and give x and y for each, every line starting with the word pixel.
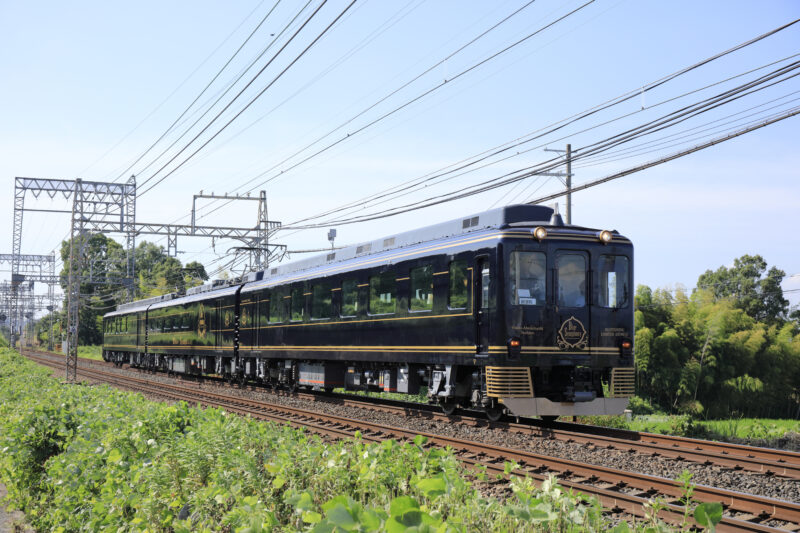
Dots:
pixel 96 458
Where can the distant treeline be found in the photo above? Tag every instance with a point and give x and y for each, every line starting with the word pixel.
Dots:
pixel 104 260
pixel 730 348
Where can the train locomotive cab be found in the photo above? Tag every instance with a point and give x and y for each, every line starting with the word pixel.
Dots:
pixel 566 315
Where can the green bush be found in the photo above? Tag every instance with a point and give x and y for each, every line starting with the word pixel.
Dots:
pixel 641 406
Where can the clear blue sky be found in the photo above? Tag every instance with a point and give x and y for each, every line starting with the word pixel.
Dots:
pixel 81 81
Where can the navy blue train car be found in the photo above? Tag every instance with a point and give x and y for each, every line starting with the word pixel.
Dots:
pixel 506 311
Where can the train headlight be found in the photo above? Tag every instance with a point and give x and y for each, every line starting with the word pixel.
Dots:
pixel 605 236
pixel 514 347
pixel 626 346
pixel 539 233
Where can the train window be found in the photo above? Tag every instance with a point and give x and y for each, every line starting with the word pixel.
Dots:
pixel 485 277
pixel 459 285
pixel 263 310
pixel 613 281
pixel 571 280
pixel 421 289
pixel 382 294
pixel 349 297
pixel 321 301
pixel 298 303
pixel 276 306
pixel 527 275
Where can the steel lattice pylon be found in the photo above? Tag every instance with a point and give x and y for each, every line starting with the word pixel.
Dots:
pixel 29 268
pixel 108 204
pixel 100 207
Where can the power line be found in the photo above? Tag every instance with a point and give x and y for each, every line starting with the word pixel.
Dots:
pixel 213 79
pixel 599 146
pixel 408 102
pixel 713 142
pixel 471 161
pixel 275 79
pixel 241 91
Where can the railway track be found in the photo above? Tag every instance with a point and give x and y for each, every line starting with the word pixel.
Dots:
pixel 732 456
pixel 617 490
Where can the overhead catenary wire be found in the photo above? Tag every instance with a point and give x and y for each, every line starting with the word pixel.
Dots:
pixel 409 102
pixel 548 165
pixel 202 92
pixel 258 95
pixel 239 94
pixel 540 133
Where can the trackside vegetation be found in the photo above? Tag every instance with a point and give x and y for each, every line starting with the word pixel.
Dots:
pixel 730 349
pixel 77 457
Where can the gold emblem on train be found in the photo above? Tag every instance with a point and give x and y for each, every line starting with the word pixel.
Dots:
pixel 572 334
pixel 202 328
pixel 245 319
pixel 228 319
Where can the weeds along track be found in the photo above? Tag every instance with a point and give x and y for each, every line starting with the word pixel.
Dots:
pixel 737 457
pixel 617 490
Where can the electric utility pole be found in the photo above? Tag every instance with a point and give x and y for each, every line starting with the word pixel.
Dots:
pixel 568 177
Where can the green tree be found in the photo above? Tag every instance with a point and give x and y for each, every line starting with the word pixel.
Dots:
pixel 754 289
pixel 103 274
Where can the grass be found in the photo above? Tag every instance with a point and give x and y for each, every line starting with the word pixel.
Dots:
pixel 421 397
pixel 723 430
pixel 91 352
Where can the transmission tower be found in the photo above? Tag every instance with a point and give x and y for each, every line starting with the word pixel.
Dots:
pixel 101 207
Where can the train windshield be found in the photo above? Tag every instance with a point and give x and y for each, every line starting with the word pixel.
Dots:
pixel 527 275
pixel 613 282
pixel 572 280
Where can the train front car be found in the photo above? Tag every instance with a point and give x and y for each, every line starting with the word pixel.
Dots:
pixel 568 316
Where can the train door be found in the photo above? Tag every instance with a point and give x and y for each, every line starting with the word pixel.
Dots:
pixel 481 305
pixel 572 298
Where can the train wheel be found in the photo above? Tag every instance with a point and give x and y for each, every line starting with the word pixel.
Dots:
pixel 494 413
pixel 449 407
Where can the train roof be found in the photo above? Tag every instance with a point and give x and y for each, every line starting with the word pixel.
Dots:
pixel 377 250
pixel 492 219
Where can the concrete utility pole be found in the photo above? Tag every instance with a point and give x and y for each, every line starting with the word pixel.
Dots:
pixel 569 184
pixel 568 177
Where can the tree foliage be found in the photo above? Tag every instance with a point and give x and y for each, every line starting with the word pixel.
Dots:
pixel 729 348
pixel 757 294
pixel 104 285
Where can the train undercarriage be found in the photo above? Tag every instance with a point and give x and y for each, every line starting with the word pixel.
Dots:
pixel 495 390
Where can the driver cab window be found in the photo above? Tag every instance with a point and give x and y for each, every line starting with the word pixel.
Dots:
pixel 572 280
pixel 527 272
pixel 613 289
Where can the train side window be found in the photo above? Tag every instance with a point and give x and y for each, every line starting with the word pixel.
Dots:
pixel 458 296
pixel 298 303
pixel 572 280
pixel 485 277
pixel 613 282
pixel 321 301
pixel 421 289
pixel 263 310
pixel 276 307
pixel 527 275
pixel 383 294
pixel 349 297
